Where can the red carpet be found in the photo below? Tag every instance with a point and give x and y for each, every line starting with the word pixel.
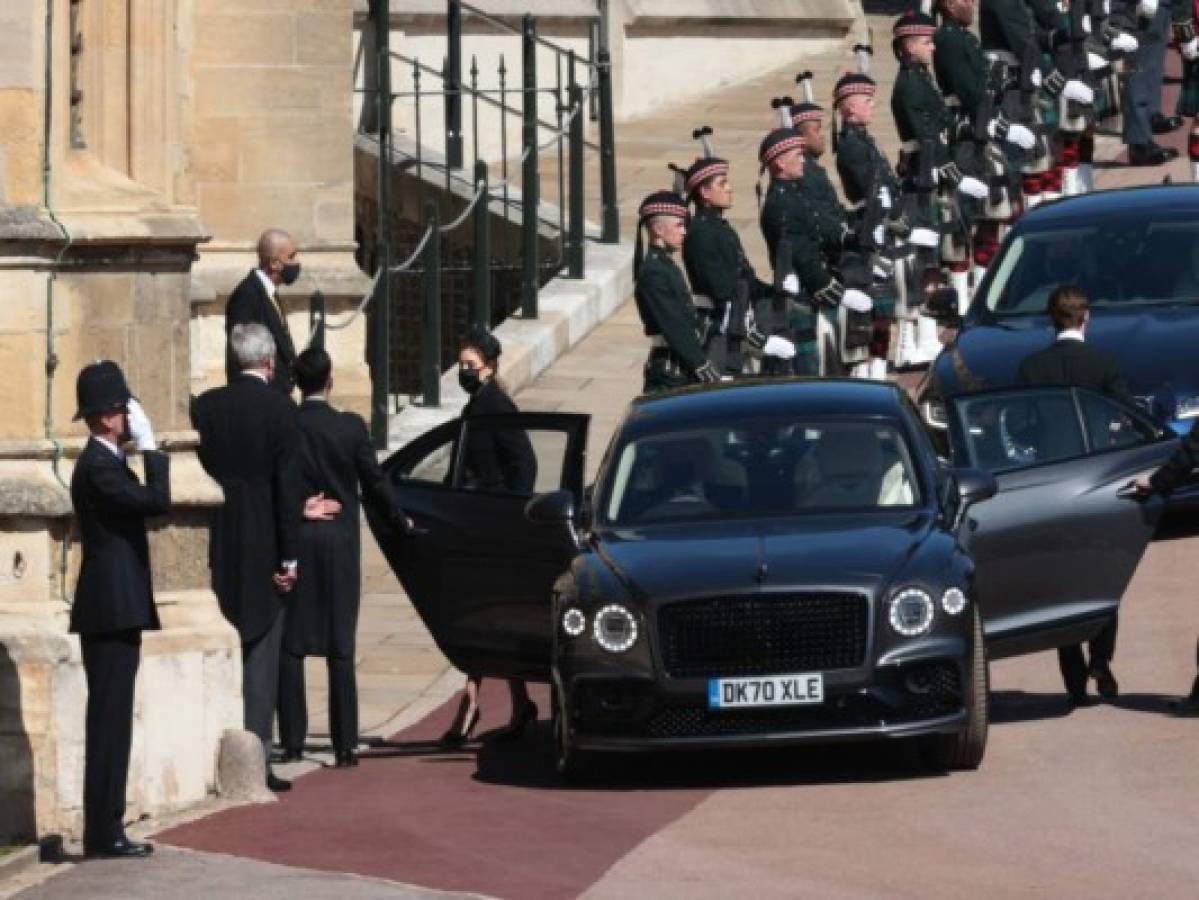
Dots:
pixel 493 818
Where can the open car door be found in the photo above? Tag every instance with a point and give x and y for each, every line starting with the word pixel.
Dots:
pixel 477 571
pixel 1057 545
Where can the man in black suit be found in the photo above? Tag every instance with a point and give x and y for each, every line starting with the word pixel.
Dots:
pixel 114 597
pixel 256 301
pixel 249 443
pixel 322 618
pixel 1070 361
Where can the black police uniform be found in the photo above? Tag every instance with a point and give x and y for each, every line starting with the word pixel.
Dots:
pixel 114 603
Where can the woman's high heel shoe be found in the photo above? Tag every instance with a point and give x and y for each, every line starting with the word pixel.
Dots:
pixel 457 736
pixel 522 718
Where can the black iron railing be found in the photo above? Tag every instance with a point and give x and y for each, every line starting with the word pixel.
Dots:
pixel 580 86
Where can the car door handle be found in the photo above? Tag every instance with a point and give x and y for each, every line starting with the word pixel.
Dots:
pixel 1130 492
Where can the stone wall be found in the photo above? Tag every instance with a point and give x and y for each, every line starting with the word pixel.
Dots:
pixel 269 136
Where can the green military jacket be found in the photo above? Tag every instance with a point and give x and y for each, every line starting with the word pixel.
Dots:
pixel 716 261
pixel 666 310
pixel 860 162
pixel 1007 25
pixel 919 111
pixel 786 213
pixel 960 67
pixel 829 215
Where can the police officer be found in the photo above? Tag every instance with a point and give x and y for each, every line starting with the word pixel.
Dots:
pixel 114 597
pixel 801 271
pixel 723 280
pixel 676 355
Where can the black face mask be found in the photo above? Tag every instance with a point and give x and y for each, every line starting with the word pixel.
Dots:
pixel 469 380
pixel 291 271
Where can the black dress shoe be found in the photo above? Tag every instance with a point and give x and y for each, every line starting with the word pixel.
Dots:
pixel 1105 681
pixel 121 848
pixel 1164 124
pixel 457 736
pixel 521 719
pixel 1186 708
pixel 277 784
pixel 345 759
pixel 292 755
pixel 1147 155
pixel 1076 699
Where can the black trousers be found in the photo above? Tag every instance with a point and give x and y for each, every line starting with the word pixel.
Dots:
pixel 343 702
pixel 1102 648
pixel 260 682
pixel 110 662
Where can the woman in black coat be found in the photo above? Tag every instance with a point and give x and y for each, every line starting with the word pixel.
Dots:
pixel 495 460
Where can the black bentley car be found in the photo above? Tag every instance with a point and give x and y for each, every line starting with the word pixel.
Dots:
pixel 779 562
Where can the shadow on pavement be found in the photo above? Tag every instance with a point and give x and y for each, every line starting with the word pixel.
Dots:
pixel 529 763
pixel 1022 706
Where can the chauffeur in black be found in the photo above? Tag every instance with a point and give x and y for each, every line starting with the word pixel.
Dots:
pixel 676 355
pixel 249 444
pixel 1069 361
pixel 114 597
pixel 256 301
pixel 321 618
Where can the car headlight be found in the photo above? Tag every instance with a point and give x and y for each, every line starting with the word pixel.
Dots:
pixel 1186 408
pixel 911 612
pixel 953 601
pixel 614 628
pixel 574 622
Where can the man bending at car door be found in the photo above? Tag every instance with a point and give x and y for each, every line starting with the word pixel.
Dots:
pixel 1070 361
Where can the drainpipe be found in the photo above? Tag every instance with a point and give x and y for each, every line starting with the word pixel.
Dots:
pixel 51 353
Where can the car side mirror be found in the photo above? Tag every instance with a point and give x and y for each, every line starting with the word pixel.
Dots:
pixel 552 508
pixel 942 305
pixel 974 486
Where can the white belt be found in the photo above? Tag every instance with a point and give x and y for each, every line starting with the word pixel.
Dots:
pixel 702 301
pixel 854 207
pixel 1004 56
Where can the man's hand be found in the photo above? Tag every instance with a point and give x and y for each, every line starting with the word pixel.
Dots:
pixel 972 187
pixel 1141 488
pixel 924 237
pixel 319 509
pixel 1190 50
pixel 285 578
pixel 139 426
pixel 1078 92
pixel 1125 43
pixel 791 284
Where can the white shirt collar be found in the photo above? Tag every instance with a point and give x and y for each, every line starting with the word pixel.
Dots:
pixel 261 376
pixel 1070 334
pixel 113 448
pixel 266 283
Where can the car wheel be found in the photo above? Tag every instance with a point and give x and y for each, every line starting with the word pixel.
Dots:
pixel 965 749
pixel 569 761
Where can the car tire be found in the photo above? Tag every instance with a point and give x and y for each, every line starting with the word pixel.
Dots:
pixel 569 761
pixel 965 749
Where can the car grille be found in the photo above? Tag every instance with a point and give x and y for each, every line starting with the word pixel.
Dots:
pixel 728 637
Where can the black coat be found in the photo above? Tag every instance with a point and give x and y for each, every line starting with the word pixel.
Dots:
pixel 499 459
pixel 1075 363
pixel 114 591
pixel 250 444
pixel 337 459
pixel 250 303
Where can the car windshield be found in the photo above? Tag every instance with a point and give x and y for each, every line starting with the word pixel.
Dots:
pixel 1120 262
pixel 767 467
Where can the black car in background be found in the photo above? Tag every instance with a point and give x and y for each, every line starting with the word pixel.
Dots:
pixel 1136 253
pixel 779 562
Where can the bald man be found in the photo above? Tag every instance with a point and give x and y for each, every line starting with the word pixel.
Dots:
pixel 256 300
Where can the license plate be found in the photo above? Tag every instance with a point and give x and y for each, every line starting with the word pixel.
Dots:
pixel 770 690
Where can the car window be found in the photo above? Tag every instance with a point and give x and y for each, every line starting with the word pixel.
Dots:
pixel 760 468
pixel 1020 429
pixel 428 461
pixel 1109 426
pixel 507 459
pixel 1122 262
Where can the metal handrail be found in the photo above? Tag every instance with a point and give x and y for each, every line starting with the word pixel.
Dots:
pixel 481 93
pixel 495 20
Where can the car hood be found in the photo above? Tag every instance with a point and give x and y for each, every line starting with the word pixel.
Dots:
pixel 665 563
pixel 1154 348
